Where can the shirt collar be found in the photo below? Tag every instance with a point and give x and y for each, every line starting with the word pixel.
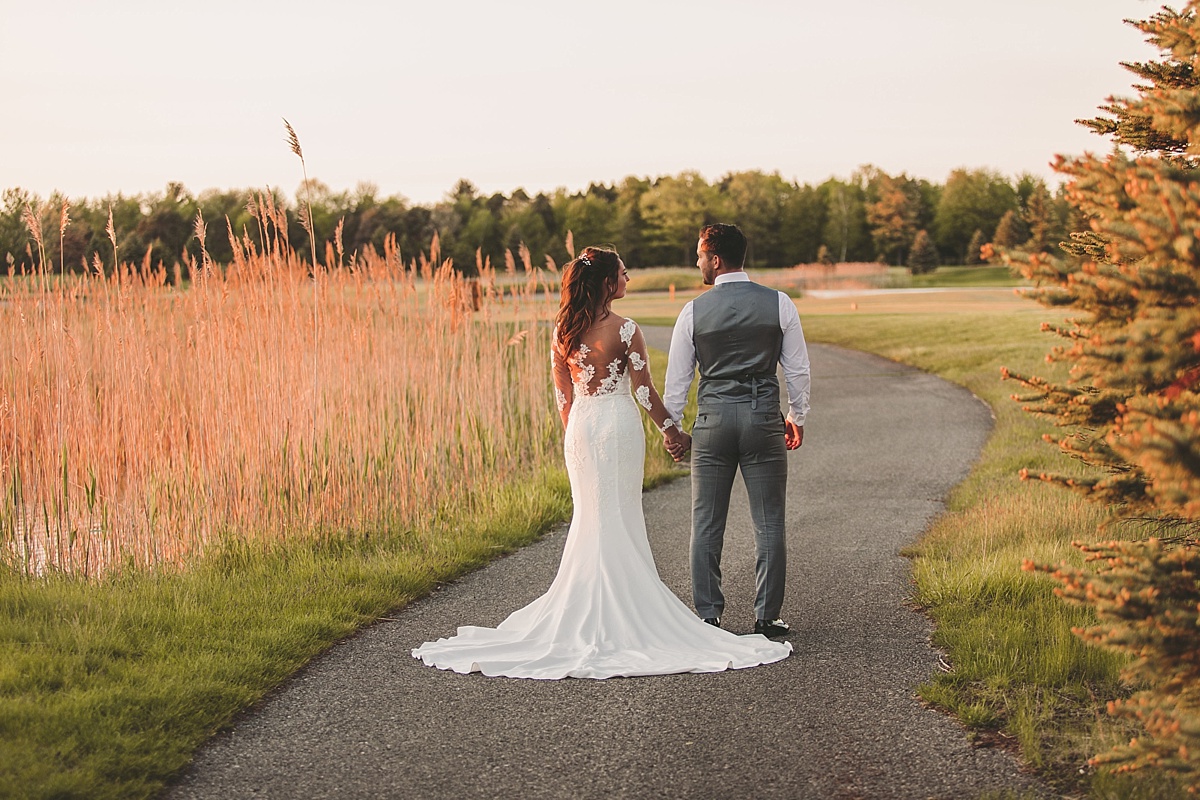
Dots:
pixel 731 277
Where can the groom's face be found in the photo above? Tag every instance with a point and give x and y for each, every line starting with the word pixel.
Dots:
pixel 706 262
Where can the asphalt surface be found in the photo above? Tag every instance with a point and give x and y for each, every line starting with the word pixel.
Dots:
pixel 837 719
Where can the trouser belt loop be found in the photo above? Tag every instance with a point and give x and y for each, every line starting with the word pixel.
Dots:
pixel 754 394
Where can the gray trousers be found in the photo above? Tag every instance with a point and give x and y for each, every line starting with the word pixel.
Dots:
pixel 726 437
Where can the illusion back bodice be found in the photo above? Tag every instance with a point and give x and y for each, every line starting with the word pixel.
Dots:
pixel 610 357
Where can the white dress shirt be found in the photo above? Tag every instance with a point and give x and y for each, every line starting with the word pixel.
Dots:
pixel 681 363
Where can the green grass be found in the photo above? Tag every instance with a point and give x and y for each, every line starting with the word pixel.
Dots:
pixel 108 686
pixel 660 279
pixel 1017 671
pixel 960 277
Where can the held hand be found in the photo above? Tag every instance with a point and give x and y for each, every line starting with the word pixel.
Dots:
pixel 793 434
pixel 677 443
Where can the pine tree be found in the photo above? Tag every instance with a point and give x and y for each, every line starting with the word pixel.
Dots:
pixel 1131 406
pixel 1039 217
pixel 1134 352
pixel 1010 232
pixel 974 246
pixel 924 256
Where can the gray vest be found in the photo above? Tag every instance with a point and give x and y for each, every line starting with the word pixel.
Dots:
pixel 735 327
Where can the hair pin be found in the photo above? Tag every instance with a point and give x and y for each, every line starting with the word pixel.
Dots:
pixel 587 262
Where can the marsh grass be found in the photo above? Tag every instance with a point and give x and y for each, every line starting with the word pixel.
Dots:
pixel 143 421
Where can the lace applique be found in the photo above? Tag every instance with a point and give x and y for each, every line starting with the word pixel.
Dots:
pixel 583 373
pixel 643 396
pixel 575 454
pixel 639 363
pixel 609 384
pixel 560 399
pixel 670 423
pixel 627 331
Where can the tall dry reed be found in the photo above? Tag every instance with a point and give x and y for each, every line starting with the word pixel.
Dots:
pixel 142 420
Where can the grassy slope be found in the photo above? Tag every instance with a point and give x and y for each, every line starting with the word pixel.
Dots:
pixel 1018 675
pixel 107 687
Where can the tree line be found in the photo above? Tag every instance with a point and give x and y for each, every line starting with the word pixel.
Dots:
pixel 870 216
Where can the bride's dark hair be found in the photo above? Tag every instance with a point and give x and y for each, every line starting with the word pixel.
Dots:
pixel 588 283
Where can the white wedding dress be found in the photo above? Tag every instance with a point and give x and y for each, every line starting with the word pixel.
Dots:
pixel 607 613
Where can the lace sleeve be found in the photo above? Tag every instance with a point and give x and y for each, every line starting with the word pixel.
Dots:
pixel 561 372
pixel 639 377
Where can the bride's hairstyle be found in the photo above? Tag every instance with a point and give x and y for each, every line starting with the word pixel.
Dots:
pixel 588 283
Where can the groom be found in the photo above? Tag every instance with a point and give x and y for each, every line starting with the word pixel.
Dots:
pixel 737 333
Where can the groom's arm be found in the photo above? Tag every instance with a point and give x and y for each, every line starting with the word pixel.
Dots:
pixel 793 357
pixel 681 365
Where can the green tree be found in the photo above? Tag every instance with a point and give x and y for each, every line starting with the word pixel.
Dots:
pixel 629 227
pixel 971 200
pixel 674 209
pixel 219 206
pixel 14 237
pixel 846 230
pixel 591 217
pixel 804 218
pixel 756 202
pixel 167 224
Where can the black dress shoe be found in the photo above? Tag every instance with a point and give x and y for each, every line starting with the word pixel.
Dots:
pixel 714 621
pixel 771 628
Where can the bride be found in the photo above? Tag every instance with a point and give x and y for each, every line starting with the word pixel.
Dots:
pixel 607 613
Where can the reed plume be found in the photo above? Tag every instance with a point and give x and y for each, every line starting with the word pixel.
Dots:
pixel 112 237
pixel 64 220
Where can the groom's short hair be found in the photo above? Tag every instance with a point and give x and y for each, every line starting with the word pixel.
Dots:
pixel 726 241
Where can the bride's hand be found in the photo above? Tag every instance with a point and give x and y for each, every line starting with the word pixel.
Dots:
pixel 677 443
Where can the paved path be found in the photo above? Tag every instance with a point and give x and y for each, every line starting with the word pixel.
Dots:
pixel 837 719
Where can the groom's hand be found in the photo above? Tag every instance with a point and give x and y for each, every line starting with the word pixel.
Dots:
pixel 793 434
pixel 677 443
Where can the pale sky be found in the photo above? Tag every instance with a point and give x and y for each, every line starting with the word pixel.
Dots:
pixel 131 94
